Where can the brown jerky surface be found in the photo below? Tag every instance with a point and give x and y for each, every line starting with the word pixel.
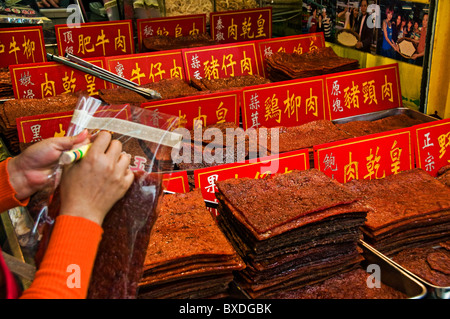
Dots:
pixel 402 196
pixel 305 136
pixel 162 42
pixel 185 229
pixel 348 285
pixel 265 204
pixel 431 264
pixel 230 83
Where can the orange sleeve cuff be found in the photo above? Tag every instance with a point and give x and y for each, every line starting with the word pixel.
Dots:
pixel 66 268
pixel 8 198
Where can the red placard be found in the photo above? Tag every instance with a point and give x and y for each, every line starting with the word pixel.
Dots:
pixel 176 26
pixel 38 127
pixel 222 61
pixel 241 25
pixel 40 80
pixel 432 145
pixel 287 103
pixel 370 157
pixel 206 109
pixel 21 45
pixel 95 39
pixel 176 182
pixel 299 44
pixel 363 91
pixel 206 178
pixel 146 68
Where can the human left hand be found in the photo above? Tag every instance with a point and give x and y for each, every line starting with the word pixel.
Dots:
pixel 31 170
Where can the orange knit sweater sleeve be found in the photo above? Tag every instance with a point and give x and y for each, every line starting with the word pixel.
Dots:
pixel 69 259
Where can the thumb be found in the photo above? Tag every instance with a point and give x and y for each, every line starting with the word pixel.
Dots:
pixel 69 142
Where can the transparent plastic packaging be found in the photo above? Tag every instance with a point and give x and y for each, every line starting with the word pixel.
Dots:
pixel 148 138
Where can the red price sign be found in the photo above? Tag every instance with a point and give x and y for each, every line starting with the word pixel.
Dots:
pixel 287 103
pixel 241 25
pixel 432 145
pixel 40 80
pixel 146 68
pixel 206 178
pixel 205 110
pixel 21 45
pixel 38 127
pixel 175 27
pixel 363 91
pixel 176 182
pixel 222 61
pixel 291 44
pixel 370 157
pixel 95 39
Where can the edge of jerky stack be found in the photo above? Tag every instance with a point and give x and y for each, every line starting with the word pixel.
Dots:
pixel 291 230
pixel 188 256
pixel 408 209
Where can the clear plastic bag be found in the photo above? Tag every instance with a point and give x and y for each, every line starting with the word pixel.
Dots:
pixel 148 138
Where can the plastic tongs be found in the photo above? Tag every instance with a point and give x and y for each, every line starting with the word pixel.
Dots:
pixel 81 65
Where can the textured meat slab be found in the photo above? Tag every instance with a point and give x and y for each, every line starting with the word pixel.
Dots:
pixel 306 136
pixel 403 196
pixel 183 230
pixel 430 264
pixel 266 204
pixel 348 285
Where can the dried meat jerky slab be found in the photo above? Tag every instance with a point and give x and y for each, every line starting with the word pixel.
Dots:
pixel 306 136
pixel 161 42
pixel 121 254
pixel 348 285
pixel 416 260
pixel 269 203
pixel 403 196
pixel 230 83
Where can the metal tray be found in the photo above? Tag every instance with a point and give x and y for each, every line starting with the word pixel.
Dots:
pixel 392 274
pixel 385 113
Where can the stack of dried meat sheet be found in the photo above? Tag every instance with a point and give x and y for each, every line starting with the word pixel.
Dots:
pixel 6 88
pixel 407 209
pixel 283 66
pixel 188 256
pixel 15 108
pixel 230 83
pixel 291 230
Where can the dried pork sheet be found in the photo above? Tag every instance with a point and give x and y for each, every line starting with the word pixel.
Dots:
pixel 407 209
pixel 186 243
pixel 230 83
pixel 305 136
pixel 162 42
pixel 348 285
pixel 266 205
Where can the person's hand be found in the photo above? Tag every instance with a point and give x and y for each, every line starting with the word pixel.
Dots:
pixel 359 45
pixel 414 56
pixel 31 170
pixel 48 3
pixel 90 187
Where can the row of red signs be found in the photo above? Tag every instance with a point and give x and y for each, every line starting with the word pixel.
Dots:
pixel 211 62
pixel 106 38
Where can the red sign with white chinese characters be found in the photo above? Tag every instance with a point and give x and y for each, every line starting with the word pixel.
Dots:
pixel 222 61
pixel 95 39
pixel 146 68
pixel 363 91
pixel 175 27
pixel 176 182
pixel 206 109
pixel 206 178
pixel 241 25
pixel 370 157
pixel 21 45
pixel 432 145
pixel 38 127
pixel 299 44
pixel 287 103
pixel 40 80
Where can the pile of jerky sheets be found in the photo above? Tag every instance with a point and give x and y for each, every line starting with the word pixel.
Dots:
pixel 188 256
pixel 291 230
pixel 408 209
pixel 283 66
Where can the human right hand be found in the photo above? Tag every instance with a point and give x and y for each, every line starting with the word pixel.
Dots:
pixel 90 187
